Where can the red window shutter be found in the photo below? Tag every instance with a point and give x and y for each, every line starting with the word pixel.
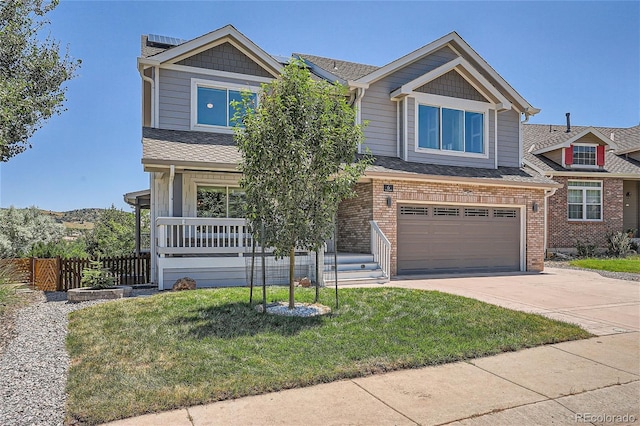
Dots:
pixel 600 155
pixel 568 155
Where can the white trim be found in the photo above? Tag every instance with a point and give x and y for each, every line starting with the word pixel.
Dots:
pixel 213 182
pixel 153 213
pixel 584 199
pixel 456 65
pixel 495 139
pixel 397 129
pixel 212 84
pixel 405 117
pixel 451 103
pixel 216 73
pixel 206 41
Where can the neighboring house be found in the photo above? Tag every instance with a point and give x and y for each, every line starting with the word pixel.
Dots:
pixel 599 169
pixel 446 193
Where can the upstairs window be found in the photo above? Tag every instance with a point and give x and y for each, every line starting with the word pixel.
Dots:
pixel 447 129
pixel 584 155
pixel 584 200
pixel 212 105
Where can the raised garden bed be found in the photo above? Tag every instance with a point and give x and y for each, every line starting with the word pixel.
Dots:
pixel 89 293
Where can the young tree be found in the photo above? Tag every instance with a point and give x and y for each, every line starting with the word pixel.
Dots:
pixel 113 234
pixel 298 161
pixel 22 229
pixel 32 73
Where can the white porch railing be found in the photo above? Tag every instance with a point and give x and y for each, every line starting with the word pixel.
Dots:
pixel 200 235
pixel 381 249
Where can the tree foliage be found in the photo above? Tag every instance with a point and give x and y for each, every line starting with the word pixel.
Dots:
pixel 22 229
pixel 113 234
pixel 298 160
pixel 32 73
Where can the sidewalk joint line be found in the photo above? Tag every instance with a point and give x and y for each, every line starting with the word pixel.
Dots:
pixel 593 360
pixel 189 416
pixel 510 381
pixel 397 411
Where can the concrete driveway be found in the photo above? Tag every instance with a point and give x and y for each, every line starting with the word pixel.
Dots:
pixel 598 304
pixel 592 381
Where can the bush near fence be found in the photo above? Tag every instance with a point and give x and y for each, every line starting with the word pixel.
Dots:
pixel 64 274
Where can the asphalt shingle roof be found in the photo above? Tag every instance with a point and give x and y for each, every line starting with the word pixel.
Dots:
pixel 341 69
pixel 159 145
pixel 504 174
pixel 545 135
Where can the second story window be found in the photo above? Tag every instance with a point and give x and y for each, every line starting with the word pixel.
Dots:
pixel 212 104
pixel 448 129
pixel 584 155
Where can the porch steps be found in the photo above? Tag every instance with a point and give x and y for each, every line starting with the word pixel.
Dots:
pixel 353 268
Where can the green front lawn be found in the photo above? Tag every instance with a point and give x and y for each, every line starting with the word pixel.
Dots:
pixel 178 349
pixel 629 264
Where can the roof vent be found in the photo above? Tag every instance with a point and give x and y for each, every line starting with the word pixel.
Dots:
pixel 568 122
pixel 612 137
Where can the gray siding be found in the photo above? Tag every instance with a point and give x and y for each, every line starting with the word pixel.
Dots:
pixel 508 139
pixel 225 57
pixel 380 134
pixel 555 156
pixel 452 84
pixel 175 97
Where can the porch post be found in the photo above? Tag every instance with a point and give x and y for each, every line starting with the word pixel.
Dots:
pixel 137 226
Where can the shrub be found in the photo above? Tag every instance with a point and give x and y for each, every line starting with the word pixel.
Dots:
pixel 619 244
pixel 97 276
pixel 585 249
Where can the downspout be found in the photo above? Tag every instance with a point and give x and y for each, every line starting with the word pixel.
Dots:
pixel 358 104
pixel 495 137
pixel 547 193
pixel 172 174
pixel 151 94
pixel 156 97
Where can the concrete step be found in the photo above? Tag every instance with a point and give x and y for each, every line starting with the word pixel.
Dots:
pixel 346 258
pixel 366 266
pixel 355 281
pixel 343 275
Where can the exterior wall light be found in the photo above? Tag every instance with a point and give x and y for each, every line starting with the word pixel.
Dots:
pixel 534 207
pixel 388 201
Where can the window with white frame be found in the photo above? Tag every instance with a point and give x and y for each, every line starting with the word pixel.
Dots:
pixel 449 129
pixel 584 200
pixel 213 103
pixel 584 155
pixel 220 202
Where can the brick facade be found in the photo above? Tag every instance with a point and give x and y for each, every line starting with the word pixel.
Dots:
pixel 354 214
pixel 563 233
pixel 442 193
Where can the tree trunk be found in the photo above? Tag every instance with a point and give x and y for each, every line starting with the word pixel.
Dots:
pixel 292 271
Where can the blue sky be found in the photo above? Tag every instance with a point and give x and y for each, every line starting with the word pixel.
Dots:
pixel 578 57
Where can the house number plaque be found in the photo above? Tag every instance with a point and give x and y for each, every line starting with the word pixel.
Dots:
pixel 388 187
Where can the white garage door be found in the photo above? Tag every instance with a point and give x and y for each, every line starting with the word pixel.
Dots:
pixel 433 239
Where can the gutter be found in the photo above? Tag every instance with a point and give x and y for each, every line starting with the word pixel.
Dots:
pixel 172 175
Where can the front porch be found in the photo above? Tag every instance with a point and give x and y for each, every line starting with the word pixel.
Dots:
pixel 217 252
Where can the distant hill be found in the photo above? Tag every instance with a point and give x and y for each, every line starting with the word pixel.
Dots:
pixel 76 219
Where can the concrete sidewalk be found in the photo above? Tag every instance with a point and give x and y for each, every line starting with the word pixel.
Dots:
pixel 593 381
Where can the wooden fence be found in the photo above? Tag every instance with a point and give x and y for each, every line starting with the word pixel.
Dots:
pixel 64 274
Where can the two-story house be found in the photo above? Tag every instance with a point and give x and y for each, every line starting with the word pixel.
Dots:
pixel 447 191
pixel 599 169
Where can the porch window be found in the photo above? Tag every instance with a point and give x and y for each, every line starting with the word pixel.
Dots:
pixel 220 202
pixel 584 200
pixel 448 129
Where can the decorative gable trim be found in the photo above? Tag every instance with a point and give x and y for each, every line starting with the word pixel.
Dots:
pixel 456 43
pixel 465 70
pixel 567 143
pixel 226 34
